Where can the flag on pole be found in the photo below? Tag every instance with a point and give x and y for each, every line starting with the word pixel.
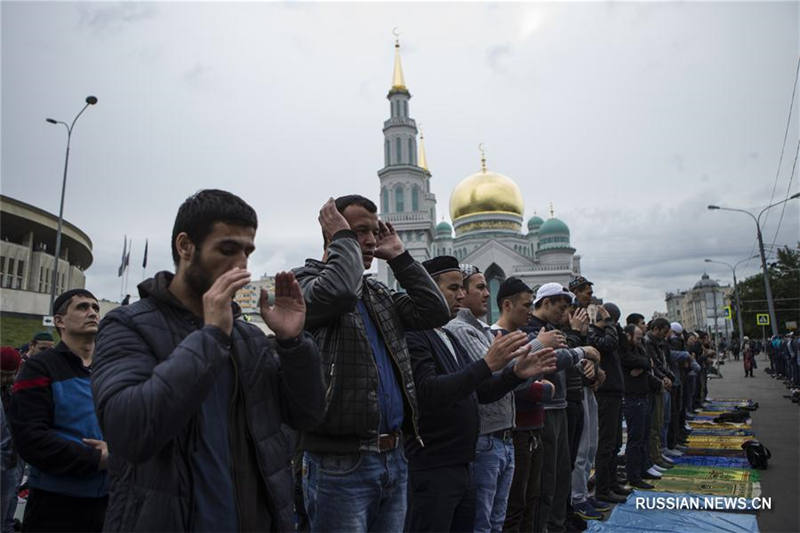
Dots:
pixel 144 262
pixel 121 268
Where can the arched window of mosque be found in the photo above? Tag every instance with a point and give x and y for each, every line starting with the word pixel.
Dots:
pixel 412 152
pixel 399 151
pixel 405 108
pixel 398 198
pixel 384 200
pixel 386 154
pixel 415 198
pixel 494 277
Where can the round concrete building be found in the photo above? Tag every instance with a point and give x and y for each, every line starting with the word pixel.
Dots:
pixel 27 246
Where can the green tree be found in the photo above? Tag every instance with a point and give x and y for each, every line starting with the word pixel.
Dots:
pixel 784 276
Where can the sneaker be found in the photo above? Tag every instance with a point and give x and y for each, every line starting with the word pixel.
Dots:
pixel 654 472
pixel 586 511
pixel 665 466
pixel 672 453
pixel 668 460
pixel 642 485
pixel 660 469
pixel 598 505
pixel 681 447
pixel 648 475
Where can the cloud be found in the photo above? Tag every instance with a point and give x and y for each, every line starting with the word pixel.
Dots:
pixel 497 56
pixel 113 17
pixel 196 75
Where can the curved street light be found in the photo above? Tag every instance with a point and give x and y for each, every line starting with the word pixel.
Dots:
pixel 757 219
pixel 736 292
pixel 90 100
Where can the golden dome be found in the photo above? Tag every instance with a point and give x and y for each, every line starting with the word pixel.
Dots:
pixel 486 192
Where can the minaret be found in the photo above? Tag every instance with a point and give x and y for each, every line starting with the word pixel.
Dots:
pixel 405 197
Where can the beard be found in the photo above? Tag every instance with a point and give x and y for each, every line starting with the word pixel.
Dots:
pixel 197 277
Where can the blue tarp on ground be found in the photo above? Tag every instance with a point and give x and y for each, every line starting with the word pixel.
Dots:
pixel 627 518
pixel 712 460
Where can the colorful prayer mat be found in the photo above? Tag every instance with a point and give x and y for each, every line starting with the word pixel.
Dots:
pixel 710 473
pixel 722 432
pixel 716 441
pixel 714 487
pixel 720 452
pixel 705 424
pixel 710 460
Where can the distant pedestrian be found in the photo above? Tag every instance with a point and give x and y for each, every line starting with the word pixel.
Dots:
pixel 749 359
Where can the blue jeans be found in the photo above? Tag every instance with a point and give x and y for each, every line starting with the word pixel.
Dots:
pixel 363 491
pixel 493 471
pixel 667 417
pixel 10 480
pixel 587 449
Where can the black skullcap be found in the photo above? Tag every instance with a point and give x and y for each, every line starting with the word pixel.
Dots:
pixel 580 281
pixel 43 336
pixel 510 287
pixel 69 294
pixel 613 310
pixel 441 264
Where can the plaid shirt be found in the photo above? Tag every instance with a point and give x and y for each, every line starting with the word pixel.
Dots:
pixel 331 289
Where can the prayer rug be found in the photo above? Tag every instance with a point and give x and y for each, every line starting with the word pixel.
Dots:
pixel 710 460
pixel 717 441
pixel 710 473
pixel 714 487
pixel 720 452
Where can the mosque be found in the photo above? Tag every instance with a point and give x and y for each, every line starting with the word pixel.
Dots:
pixel 486 210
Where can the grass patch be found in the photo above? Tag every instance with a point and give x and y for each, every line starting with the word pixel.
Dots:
pixel 16 330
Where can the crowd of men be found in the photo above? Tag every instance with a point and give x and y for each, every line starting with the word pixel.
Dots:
pixel 389 410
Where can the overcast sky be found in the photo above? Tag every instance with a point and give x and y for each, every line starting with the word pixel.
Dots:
pixel 629 117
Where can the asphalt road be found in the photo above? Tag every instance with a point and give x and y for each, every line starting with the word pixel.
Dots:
pixel 776 424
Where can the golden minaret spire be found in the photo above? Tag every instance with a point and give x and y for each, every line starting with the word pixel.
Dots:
pixel 398 81
pixel 422 161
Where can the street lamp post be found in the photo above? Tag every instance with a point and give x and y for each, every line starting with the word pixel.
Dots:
pixel 767 287
pixel 90 100
pixel 736 293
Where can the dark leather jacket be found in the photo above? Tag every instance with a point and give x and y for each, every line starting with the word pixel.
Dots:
pixel 331 289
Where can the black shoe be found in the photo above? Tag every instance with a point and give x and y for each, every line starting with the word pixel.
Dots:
pixel 641 485
pixel 648 475
pixel 621 480
pixel 575 523
pixel 622 491
pixel 611 497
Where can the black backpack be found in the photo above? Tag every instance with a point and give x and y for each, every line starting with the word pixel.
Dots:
pixel 757 454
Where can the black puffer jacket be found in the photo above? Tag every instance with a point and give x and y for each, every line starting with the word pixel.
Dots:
pixel 606 340
pixel 153 368
pixel 331 290
pixel 634 357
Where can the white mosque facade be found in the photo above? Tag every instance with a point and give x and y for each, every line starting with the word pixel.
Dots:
pixel 486 210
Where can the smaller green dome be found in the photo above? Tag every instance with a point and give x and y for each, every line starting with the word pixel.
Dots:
pixel 444 227
pixel 534 223
pixel 553 226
